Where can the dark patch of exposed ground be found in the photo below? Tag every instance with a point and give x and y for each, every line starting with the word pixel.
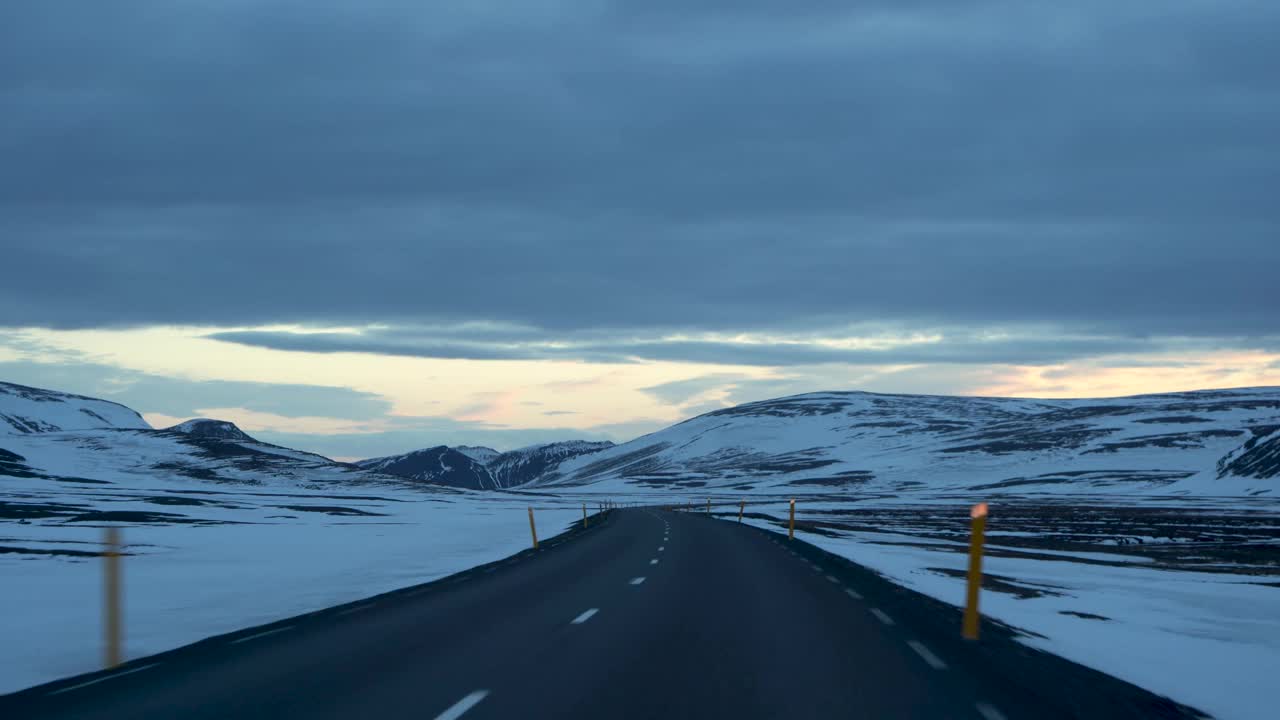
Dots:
pixel 1259 456
pixel 1170 440
pixel 1027 438
pixel 1002 584
pixel 1092 478
pixel 1087 616
pixel 141 517
pixel 852 477
pixel 56 552
pixel 330 510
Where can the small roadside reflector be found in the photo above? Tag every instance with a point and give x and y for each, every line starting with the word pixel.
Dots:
pixel 979 510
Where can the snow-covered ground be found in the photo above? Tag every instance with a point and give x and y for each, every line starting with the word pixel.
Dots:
pixel 289 552
pixel 1138 536
pixel 1210 639
pixel 223 532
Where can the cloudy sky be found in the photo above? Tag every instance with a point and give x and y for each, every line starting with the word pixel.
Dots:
pixel 361 228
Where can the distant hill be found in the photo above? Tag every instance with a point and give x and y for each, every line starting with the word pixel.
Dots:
pixel 214 429
pixel 481 468
pixel 442 465
pixel 518 467
pixel 1212 442
pixel 25 410
pixel 56 436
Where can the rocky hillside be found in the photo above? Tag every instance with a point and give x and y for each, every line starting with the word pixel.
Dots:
pixel 441 465
pixel 481 468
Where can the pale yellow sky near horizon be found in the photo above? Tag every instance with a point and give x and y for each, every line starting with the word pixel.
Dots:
pixel 583 395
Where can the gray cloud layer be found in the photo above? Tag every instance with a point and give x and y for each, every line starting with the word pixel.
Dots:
pixel 567 165
pixel 956 347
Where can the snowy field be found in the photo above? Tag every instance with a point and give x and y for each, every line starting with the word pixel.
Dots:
pixel 1190 611
pixel 237 559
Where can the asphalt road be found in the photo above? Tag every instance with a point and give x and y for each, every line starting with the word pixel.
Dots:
pixel 648 614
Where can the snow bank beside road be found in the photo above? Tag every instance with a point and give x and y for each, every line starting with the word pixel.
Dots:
pixel 1209 640
pixel 190 582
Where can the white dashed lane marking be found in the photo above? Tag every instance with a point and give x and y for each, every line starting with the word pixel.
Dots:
pixel 637 580
pixel 853 594
pixel 103 679
pixel 881 616
pixel 653 561
pixel 456 710
pixel 934 661
pixel 585 616
pixel 832 579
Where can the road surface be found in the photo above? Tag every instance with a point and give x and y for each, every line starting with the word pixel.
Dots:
pixel 648 614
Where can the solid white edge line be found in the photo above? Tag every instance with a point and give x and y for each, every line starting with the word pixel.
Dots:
pixel 637 580
pixel 102 679
pixel 264 633
pixel 881 616
pixel 989 711
pixel 853 594
pixel 456 710
pixel 584 616
pixel 934 661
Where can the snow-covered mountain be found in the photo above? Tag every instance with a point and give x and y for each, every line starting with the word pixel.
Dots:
pixel 49 435
pixel 1216 442
pixel 478 453
pixel 481 468
pixel 441 465
pixel 25 410
pixel 524 465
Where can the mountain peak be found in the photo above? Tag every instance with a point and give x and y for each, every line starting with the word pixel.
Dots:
pixel 212 429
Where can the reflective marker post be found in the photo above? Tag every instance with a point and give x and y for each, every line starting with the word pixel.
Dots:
pixel 979 515
pixel 584 516
pixel 533 529
pixel 112 589
pixel 742 504
pixel 791 531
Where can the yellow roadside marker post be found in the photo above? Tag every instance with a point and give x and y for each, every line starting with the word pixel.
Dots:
pixel 742 504
pixel 112 589
pixel 979 515
pixel 533 529
pixel 791 531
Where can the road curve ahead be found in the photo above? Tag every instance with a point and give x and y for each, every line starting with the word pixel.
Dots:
pixel 648 614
